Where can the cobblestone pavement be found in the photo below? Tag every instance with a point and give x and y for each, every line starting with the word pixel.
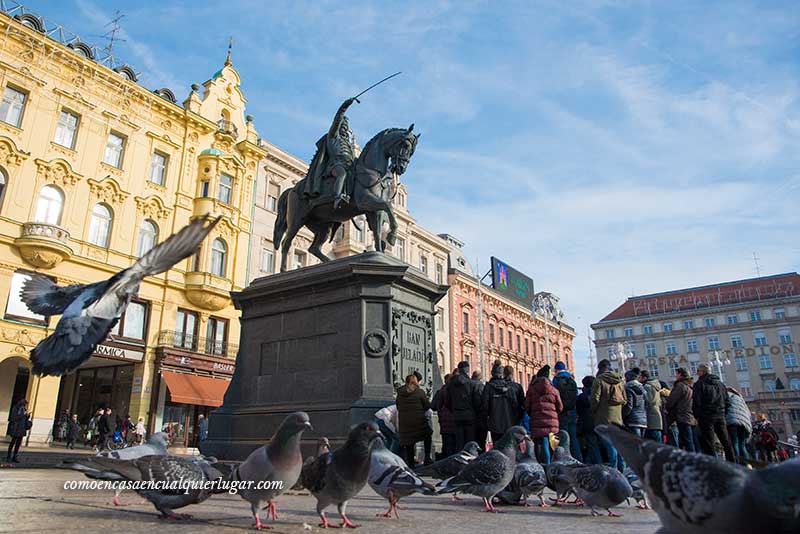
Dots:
pixel 33 500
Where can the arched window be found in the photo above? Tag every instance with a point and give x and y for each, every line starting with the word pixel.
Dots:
pixel 3 185
pixel 794 384
pixel 100 227
pixel 219 253
pixel 148 236
pixel 50 205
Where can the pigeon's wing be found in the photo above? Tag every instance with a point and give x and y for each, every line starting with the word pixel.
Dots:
pixel 43 296
pixel 103 468
pixel 487 468
pixel 589 479
pixel 169 469
pixel 257 466
pixel 402 480
pixel 72 343
pixel 313 474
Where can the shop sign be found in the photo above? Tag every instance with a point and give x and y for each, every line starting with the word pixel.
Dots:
pixel 194 363
pixel 118 353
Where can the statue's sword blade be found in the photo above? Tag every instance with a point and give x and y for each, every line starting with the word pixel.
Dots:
pixel 377 84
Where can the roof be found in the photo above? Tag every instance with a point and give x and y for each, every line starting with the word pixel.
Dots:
pixel 212 152
pixel 712 296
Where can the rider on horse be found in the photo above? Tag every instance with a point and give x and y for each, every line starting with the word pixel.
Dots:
pixel 334 158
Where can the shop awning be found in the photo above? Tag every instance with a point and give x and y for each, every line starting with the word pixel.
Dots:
pixel 192 389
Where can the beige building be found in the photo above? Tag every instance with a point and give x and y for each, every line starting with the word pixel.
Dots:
pixel 750 326
pixel 94 170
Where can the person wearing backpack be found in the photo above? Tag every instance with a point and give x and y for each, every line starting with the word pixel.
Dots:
pixel 568 418
pixel 634 413
pixel 500 407
pixel 653 397
pixel 606 401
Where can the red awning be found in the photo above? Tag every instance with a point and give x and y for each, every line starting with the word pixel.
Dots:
pixel 193 389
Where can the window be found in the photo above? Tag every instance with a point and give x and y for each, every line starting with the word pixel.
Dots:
pixel 15 308
pixel 440 318
pixel 713 343
pixel 764 361
pixel 785 336
pixel 273 194
pixel 225 189
pixel 12 106
pixel 755 315
pixel 299 260
pixel 628 332
pixel 710 322
pixel 667 327
pixel 465 322
pixel 439 273
pixel 519 343
pixel 673 367
pixel 794 385
pixel 218 256
pixel 510 341
pixel 204 189
pixel 491 333
pixel 49 205
pixel 100 226
pixel 132 323
pixel 759 339
pixel 610 333
pixel 115 146
pixel 3 184
pixel 186 330
pixel 736 342
pixel 650 349
pixel 66 129
pixel 195 261
pixel 358 235
pixel 527 347
pixel 148 237
pixel 647 329
pixel 653 370
pixel 671 347
pixel 267 260
pixel 745 388
pixel 693 367
pixel 610 352
pixel 423 264
pixel 688 324
pixel 216 333
pixel 158 168
pixel 733 319
pixel 741 363
pixel 401 248
pixel 790 360
pixel 779 313
pixel 769 385
pixel 691 346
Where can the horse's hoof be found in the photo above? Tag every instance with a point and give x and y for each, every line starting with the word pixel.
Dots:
pixel 391 239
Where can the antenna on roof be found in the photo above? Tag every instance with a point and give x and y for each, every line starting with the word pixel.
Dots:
pixel 758 268
pixel 111 35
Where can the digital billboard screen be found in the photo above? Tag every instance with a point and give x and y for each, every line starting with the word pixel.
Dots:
pixel 511 283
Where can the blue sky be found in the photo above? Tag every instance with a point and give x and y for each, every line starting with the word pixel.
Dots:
pixel 605 148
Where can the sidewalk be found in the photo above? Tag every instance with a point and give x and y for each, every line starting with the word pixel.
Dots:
pixel 40 455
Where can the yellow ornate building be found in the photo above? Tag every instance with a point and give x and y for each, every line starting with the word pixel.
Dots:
pixel 95 169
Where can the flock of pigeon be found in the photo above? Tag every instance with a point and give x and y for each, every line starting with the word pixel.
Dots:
pixel 689 492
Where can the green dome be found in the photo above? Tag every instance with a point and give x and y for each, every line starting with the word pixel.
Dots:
pixel 212 152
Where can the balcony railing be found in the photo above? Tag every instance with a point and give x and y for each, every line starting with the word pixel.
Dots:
pixel 196 344
pixel 785 394
pixel 227 127
pixel 48 231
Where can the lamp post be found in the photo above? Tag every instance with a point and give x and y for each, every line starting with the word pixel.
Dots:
pixel 622 352
pixel 546 305
pixel 718 362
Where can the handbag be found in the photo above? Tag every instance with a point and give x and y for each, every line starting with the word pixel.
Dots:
pixel 28 423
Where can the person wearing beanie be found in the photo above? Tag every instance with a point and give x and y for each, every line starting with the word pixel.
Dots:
pixel 568 418
pixel 500 409
pixel 543 404
pixel 463 400
pixel 634 413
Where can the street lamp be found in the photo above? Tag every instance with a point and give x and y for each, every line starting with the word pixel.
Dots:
pixel 622 351
pixel 719 362
pixel 546 305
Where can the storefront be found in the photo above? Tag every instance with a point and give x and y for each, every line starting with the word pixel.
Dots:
pixel 189 386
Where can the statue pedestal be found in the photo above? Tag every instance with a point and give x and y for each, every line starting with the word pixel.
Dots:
pixel 333 340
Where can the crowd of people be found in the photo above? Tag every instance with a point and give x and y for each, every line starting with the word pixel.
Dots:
pixel 698 414
pixel 102 431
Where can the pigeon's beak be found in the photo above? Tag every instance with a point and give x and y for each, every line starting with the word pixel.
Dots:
pixel 379 434
pixel 308 426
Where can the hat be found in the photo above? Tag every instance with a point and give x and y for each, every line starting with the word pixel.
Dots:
pixel 561 366
pixel 544 371
pixel 418 375
pixel 497 370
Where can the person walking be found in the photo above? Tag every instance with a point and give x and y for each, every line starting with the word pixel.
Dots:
pixel 202 428
pixel 499 406
pixel 447 426
pixel 105 429
pixel 73 431
pixel 412 405
pixel 709 401
pixel 607 399
pixel 739 421
pixel 140 431
pixel 543 404
pixel 652 397
pixel 679 410
pixel 463 399
pixel 568 418
pixel 634 413
pixel 18 425
pixel 589 438
pixel 766 439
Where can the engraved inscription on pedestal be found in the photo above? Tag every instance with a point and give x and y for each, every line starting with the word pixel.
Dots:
pixel 412 346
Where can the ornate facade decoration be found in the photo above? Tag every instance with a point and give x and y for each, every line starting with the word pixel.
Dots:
pixel 107 190
pixel 58 172
pixel 152 207
pixel 10 155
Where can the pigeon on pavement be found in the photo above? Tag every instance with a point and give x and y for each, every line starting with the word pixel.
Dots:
pixel 89 312
pixel 170 471
pixel 276 467
pixel 323 447
pixel 156 445
pixel 556 470
pixel 697 493
pixel 338 476
pixel 599 485
pixel 529 479
pixel 450 466
pixel 638 490
pixel 391 478
pixel 490 472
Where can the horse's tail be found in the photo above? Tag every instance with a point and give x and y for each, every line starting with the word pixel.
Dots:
pixel 281 222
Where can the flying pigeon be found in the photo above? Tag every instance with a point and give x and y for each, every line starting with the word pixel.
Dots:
pixel 391 478
pixel 338 476
pixel 323 447
pixel 450 466
pixel 638 490
pixel 156 445
pixel 89 312
pixel 599 485
pixel 279 463
pixel 556 470
pixel 529 479
pixel 490 472
pixel 697 493
pixel 165 470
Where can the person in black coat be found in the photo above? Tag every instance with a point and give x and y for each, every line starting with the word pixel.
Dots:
pixel 463 399
pixel 105 429
pixel 585 424
pixel 500 405
pixel 17 428
pixel 709 401
pixel 73 431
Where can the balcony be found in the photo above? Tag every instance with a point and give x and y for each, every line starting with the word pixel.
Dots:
pixel 195 344
pixel 208 291
pixel 786 394
pixel 43 245
pixel 227 127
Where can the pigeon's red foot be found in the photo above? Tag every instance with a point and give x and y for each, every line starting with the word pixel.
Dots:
pixel 258 525
pixel 116 501
pixel 642 506
pixel 612 514
pixel 327 524
pixel 489 507
pixel 177 517
pixel 347 523
pixel 272 511
pixel 387 513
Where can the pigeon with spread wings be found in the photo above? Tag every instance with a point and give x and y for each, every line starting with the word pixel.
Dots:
pixel 89 312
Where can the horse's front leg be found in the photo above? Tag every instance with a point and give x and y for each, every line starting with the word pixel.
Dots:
pixel 374 222
pixel 391 237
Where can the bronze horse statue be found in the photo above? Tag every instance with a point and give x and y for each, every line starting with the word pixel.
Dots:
pixel 389 151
